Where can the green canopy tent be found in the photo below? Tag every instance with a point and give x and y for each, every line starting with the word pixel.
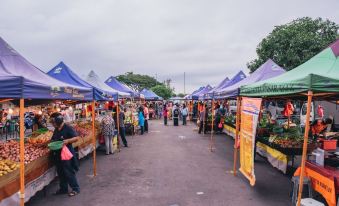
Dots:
pixel 318 77
pixel 320 74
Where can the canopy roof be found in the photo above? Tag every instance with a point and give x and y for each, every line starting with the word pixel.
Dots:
pixel 150 95
pixel 222 84
pixel 190 96
pixel 238 77
pixel 267 70
pixel 20 79
pixel 320 74
pixel 204 91
pixel 63 73
pixel 96 82
pixel 115 84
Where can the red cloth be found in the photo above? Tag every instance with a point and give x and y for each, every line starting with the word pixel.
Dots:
pixel 320 111
pixel 289 109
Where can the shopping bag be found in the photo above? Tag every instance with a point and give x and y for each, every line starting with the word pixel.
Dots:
pixel 65 153
pixel 220 125
pixel 101 139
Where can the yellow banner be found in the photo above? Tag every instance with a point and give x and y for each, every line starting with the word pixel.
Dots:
pixel 250 109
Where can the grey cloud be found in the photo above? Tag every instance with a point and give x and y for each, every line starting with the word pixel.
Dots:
pixel 209 40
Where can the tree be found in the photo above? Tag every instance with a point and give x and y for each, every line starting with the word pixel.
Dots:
pixel 138 81
pixel 181 95
pixel 294 43
pixel 162 91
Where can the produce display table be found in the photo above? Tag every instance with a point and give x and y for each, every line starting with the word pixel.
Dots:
pixel 38 174
pixel 229 129
pixel 325 180
pixel 278 156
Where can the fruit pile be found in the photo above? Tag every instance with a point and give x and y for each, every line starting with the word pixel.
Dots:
pixel 85 128
pixel 7 166
pixel 11 151
pixel 82 131
pixel 41 139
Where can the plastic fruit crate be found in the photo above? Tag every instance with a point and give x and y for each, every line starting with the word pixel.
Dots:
pixel 329 144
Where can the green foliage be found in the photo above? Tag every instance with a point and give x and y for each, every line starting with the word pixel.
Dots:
pixel 138 81
pixel 294 43
pixel 181 95
pixel 162 91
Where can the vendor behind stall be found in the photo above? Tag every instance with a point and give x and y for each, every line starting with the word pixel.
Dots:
pixel 320 126
pixel 66 169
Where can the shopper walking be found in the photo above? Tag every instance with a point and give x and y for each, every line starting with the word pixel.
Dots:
pixel 66 169
pixel 107 130
pixel 122 129
pixel 165 114
pixel 184 113
pixel 146 113
pixel 141 118
pixel 202 120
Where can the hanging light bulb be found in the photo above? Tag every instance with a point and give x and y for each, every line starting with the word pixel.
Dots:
pixel 40 112
pixel 58 109
pixel 10 111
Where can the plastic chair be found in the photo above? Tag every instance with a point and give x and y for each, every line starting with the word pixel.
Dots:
pixel 295 189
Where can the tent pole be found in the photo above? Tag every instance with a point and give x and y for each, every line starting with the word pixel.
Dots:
pixel 22 152
pixel 94 140
pixel 237 130
pixel 118 126
pixel 203 118
pixel 303 160
pixel 212 127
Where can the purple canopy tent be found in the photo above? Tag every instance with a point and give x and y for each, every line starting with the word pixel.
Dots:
pixel 219 86
pixel 20 79
pixel 203 92
pixel 266 71
pixel 237 78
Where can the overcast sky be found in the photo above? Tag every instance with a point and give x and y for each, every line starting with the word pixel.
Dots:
pixel 207 39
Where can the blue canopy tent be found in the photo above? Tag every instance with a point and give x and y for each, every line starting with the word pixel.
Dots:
pixel 96 82
pixel 150 95
pixel 203 92
pixel 19 79
pixel 237 78
pixel 63 73
pixel 193 96
pixel 115 84
pixel 266 71
pixel 219 86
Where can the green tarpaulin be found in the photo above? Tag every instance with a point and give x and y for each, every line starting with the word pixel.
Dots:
pixel 320 74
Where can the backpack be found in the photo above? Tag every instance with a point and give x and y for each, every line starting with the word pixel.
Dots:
pixel 176 112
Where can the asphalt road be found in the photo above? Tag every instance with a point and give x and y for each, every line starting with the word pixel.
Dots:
pixel 172 166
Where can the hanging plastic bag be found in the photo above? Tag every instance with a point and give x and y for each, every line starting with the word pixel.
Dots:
pixel 65 153
pixel 320 111
pixel 220 125
pixel 101 139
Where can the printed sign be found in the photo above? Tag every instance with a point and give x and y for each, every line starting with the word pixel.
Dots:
pixel 250 110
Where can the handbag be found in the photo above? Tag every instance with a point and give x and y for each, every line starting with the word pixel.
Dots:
pixel 65 153
pixel 101 139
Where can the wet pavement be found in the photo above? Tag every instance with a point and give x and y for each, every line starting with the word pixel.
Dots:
pixel 172 166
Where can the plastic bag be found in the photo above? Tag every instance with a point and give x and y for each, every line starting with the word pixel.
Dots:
pixel 220 125
pixel 65 153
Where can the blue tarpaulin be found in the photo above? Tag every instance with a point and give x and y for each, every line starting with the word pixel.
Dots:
pixel 21 79
pixel 63 73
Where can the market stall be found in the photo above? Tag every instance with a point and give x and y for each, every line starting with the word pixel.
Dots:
pixel 313 80
pixel 22 81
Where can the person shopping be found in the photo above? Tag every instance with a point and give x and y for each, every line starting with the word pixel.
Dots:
pixel 146 113
pixel 202 119
pixel 122 129
pixel 184 113
pixel 107 129
pixel 165 114
pixel 141 118
pixel 66 169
